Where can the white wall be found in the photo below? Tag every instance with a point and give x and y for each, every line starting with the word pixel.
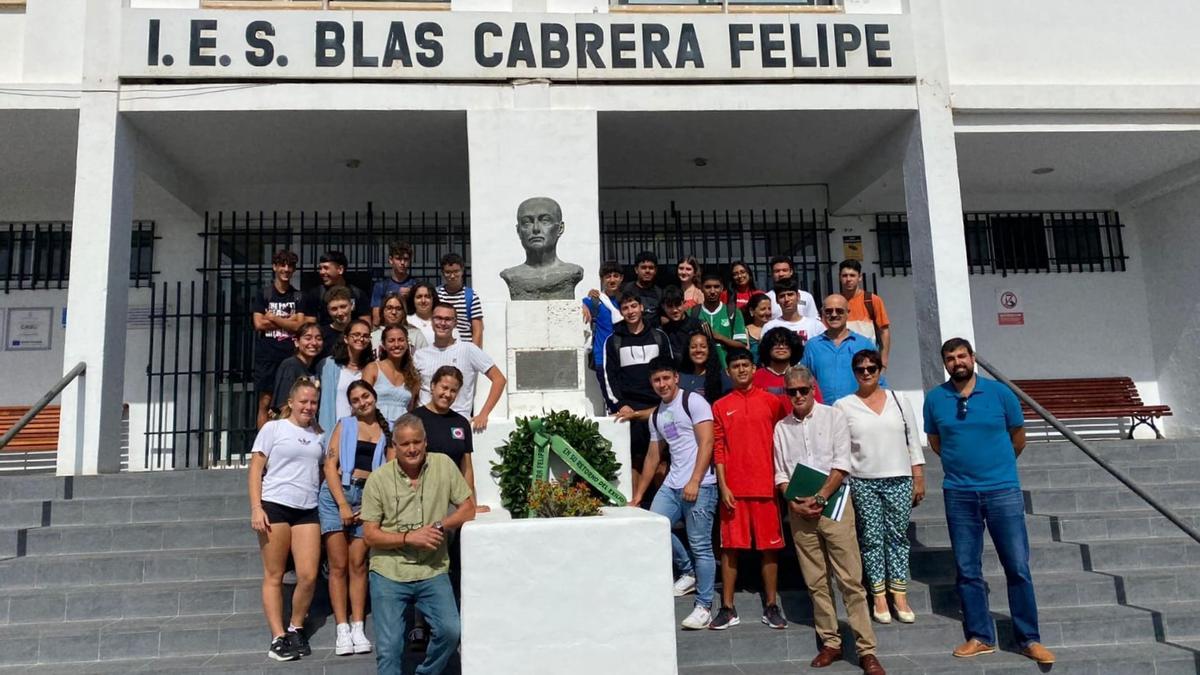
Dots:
pixel 12 48
pixel 1170 228
pixel 1073 42
pixel 53 41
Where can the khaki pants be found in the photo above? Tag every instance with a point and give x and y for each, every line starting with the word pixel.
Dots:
pixel 819 545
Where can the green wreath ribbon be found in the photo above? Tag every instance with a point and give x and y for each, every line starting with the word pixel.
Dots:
pixel 545 442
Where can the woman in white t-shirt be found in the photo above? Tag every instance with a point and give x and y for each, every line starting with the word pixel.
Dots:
pixel 285 475
pixel 887 470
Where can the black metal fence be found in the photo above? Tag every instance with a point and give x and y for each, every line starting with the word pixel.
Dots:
pixel 202 407
pixel 37 255
pixel 1018 242
pixel 719 238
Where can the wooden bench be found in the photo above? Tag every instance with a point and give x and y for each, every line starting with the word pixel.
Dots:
pixel 1092 398
pixel 39 435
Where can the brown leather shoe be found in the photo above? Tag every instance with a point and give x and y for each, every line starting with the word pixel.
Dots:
pixel 870 665
pixel 973 647
pixel 1037 652
pixel 826 656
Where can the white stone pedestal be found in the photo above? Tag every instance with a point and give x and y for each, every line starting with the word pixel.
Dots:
pixel 545 357
pixel 548 596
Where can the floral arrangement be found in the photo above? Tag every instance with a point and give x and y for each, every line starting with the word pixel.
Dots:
pixel 561 499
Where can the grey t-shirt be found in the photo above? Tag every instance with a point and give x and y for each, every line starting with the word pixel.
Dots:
pixel 674 426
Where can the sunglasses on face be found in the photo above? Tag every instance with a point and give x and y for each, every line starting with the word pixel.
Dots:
pixel 835 312
pixel 962 409
pixel 799 391
pixel 866 370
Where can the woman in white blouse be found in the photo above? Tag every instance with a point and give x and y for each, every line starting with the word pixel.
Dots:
pixel 887 472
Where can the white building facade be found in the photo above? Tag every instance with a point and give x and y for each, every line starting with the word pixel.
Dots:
pixel 158 151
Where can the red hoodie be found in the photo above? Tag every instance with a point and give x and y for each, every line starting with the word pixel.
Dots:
pixel 744 427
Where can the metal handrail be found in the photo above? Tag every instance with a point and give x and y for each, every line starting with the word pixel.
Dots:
pixel 42 403
pixel 1087 450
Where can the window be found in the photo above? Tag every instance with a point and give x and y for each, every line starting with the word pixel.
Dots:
pixel 38 255
pixel 891 237
pixel 1056 241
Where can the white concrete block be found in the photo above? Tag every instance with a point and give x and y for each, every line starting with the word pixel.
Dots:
pixel 525 403
pixel 579 595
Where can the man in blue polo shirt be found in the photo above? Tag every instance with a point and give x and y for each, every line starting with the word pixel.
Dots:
pixel 828 355
pixel 976 426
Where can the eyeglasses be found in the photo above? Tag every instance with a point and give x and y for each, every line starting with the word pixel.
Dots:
pixel 360 336
pixel 962 409
pixel 866 370
pixel 799 391
pixel 835 311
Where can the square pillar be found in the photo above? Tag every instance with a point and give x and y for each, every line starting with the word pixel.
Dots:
pixel 516 155
pixel 98 294
pixel 941 279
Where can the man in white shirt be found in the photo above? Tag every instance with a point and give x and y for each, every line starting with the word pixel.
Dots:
pixel 684 420
pixel 791 318
pixel 817 436
pixel 471 360
pixel 781 268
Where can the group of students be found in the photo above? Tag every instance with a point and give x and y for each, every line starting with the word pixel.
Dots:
pixel 345 386
pixel 738 400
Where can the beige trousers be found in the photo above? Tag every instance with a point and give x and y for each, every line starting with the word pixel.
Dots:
pixel 825 543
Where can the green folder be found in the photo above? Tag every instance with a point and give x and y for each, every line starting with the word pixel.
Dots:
pixel 807 481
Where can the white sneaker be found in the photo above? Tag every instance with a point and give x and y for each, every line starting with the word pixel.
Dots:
pixel 685 584
pixel 289 578
pixel 344 644
pixel 698 619
pixel 361 644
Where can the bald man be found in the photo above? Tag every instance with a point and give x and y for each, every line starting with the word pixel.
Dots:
pixel 828 354
pixel 542 276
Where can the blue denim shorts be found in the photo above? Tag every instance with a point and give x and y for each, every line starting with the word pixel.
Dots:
pixel 331 520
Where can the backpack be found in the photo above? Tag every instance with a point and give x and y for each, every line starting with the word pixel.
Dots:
pixel 470 300
pixel 869 301
pixel 686 411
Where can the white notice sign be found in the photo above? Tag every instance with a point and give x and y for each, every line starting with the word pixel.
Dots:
pixel 28 329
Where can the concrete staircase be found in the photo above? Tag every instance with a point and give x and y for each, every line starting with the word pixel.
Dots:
pixel 159 573
pixel 1118 585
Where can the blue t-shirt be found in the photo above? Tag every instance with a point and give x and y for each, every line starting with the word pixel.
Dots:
pixel 389 285
pixel 977 451
pixel 831 364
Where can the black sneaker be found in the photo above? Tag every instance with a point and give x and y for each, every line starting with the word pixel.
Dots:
pixel 299 642
pixel 281 649
pixel 725 618
pixel 773 617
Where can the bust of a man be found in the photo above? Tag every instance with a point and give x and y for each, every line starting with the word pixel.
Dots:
pixel 542 276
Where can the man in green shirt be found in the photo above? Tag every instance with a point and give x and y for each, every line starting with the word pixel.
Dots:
pixel 726 324
pixel 404 506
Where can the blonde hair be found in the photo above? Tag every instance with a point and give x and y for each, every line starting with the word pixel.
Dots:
pixel 302 382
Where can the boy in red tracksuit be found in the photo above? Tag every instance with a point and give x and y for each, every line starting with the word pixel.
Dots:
pixel 743 427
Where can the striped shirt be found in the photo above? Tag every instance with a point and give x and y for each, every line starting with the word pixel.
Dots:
pixel 459 301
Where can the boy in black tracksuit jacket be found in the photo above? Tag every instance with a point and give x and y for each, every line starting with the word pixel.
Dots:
pixel 627 355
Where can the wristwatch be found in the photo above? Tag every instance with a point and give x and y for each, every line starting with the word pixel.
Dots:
pixel 821 501
pixel 438 526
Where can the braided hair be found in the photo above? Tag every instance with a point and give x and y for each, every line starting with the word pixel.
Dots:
pixel 379 418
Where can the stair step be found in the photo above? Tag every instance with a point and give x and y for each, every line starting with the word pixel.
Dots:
pixel 130 601
pixel 1087 473
pixel 125 639
pixel 101 569
pixel 118 510
pixel 199 533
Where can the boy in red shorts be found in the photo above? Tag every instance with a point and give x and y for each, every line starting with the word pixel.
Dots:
pixel 743 425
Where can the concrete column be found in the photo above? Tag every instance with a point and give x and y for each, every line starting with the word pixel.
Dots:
pixel 514 155
pixel 941 279
pixel 98 295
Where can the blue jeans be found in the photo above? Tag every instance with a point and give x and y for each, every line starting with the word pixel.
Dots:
pixel 434 600
pixel 1003 513
pixel 697 519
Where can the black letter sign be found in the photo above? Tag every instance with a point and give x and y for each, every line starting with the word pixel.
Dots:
pixel 331 37
pixel 262 51
pixel 201 41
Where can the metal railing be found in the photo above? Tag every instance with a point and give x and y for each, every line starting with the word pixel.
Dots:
pixel 42 403
pixel 1089 451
